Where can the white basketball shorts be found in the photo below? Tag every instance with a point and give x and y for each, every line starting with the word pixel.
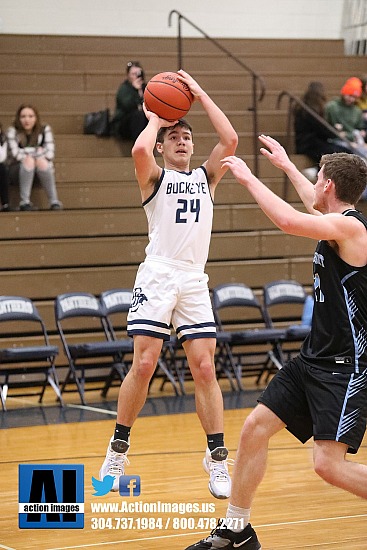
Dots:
pixel 166 293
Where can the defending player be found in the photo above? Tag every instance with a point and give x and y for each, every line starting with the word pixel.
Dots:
pixel 171 285
pixel 322 392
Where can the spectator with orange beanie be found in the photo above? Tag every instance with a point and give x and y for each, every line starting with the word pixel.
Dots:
pixel 312 137
pixel 343 113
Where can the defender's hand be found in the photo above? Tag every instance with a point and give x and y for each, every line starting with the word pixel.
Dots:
pixel 276 153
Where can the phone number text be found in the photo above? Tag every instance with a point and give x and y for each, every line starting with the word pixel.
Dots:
pixel 142 522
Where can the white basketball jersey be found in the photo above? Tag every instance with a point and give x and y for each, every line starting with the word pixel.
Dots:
pixel 180 216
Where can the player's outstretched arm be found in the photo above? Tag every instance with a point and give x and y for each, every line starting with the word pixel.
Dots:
pixel 228 138
pixel 282 214
pixel 277 210
pixel 346 231
pixel 147 170
pixel 277 155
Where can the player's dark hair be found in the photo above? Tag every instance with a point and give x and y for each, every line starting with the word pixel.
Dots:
pixel 348 172
pixel 162 131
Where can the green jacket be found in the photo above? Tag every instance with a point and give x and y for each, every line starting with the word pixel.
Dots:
pixel 349 116
pixel 128 100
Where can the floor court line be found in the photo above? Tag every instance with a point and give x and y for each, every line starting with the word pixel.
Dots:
pixel 6 547
pixel 92 409
pixel 21 401
pixel 264 525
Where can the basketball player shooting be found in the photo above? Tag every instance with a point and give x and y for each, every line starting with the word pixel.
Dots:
pixel 179 206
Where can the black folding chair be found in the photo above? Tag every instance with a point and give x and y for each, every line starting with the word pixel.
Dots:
pixel 173 366
pixel 287 305
pixel 116 303
pixel 18 364
pixel 246 346
pixel 88 345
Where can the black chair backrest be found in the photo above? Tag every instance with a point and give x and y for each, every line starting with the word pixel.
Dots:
pixel 116 300
pixel 236 296
pixel 283 291
pixel 77 304
pixel 13 308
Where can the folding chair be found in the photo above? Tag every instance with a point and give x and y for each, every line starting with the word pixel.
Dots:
pixel 116 303
pixel 81 316
pixel 22 320
pixel 246 346
pixel 287 305
pixel 172 366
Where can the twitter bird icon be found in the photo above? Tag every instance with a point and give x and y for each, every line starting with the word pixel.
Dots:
pixel 102 487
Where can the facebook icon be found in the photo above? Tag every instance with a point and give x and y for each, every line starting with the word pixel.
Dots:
pixel 129 486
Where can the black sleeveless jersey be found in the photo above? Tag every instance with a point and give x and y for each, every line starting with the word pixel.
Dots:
pixel 338 337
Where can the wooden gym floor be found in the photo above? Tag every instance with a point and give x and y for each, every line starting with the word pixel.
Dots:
pixel 294 509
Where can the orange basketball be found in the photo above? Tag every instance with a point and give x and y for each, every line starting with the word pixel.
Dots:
pixel 167 96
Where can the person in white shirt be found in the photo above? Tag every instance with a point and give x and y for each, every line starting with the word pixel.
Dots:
pixel 32 151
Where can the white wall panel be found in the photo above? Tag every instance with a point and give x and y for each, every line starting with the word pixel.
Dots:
pixel 218 18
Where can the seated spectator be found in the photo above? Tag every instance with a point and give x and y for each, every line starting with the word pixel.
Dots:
pixel 4 190
pixel 129 119
pixel 343 113
pixel 31 152
pixel 313 139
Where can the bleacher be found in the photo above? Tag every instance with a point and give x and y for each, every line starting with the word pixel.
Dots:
pixel 98 240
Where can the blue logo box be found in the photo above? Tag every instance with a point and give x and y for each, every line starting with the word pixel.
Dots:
pixel 129 486
pixel 51 496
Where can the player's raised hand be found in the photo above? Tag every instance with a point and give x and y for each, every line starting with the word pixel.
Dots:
pixel 162 121
pixel 187 79
pixel 239 169
pixel 274 152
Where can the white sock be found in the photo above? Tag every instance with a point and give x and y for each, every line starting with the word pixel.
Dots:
pixel 236 513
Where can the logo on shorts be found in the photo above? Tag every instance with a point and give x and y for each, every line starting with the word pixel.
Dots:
pixel 138 299
pixel 343 360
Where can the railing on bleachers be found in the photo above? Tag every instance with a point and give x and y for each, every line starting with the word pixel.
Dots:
pixel 258 85
pixel 292 100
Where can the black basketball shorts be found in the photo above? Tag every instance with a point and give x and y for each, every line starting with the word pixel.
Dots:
pixel 327 405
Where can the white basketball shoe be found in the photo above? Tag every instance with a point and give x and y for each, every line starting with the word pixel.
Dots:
pixel 215 463
pixel 114 463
